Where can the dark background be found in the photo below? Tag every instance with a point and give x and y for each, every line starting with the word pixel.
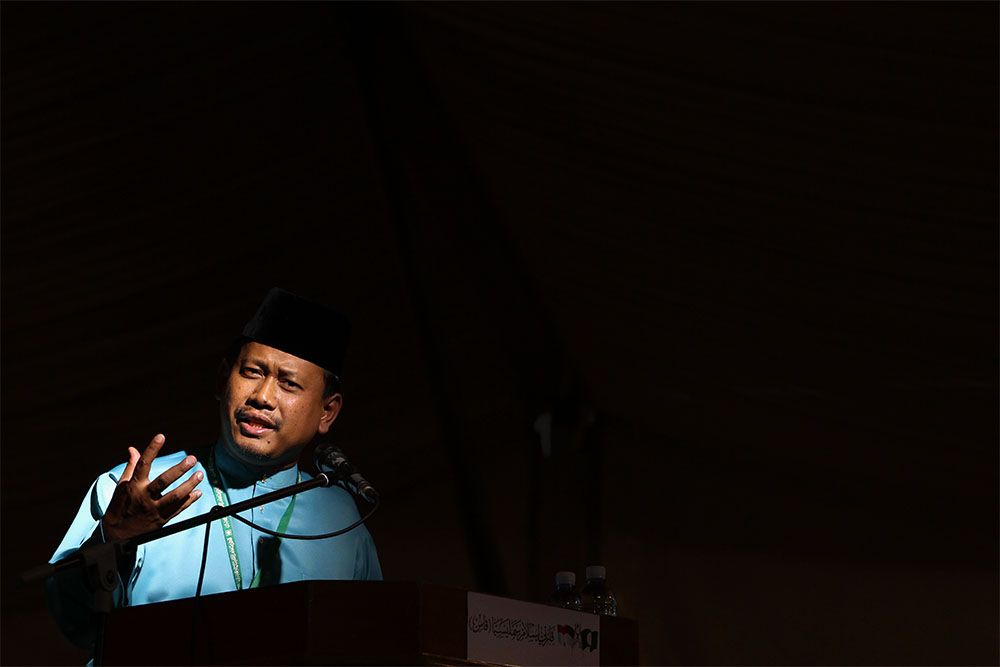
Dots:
pixel 743 256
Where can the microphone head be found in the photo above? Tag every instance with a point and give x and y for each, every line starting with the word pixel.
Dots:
pixel 330 459
pixel 328 456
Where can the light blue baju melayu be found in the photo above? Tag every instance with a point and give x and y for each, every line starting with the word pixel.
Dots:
pixel 168 569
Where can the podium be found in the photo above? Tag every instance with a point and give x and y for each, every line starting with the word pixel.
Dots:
pixel 362 623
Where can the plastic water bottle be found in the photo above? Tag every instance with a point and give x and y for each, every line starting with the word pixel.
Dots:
pixel 565 594
pixel 596 595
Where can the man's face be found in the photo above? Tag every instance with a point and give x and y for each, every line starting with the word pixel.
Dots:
pixel 272 405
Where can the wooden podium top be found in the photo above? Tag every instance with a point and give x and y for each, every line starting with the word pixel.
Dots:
pixel 322 623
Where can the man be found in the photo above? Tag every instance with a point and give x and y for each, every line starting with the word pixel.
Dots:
pixel 278 391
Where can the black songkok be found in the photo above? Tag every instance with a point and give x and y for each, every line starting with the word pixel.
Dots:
pixel 300 327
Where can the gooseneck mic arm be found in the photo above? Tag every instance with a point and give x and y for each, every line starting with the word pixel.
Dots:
pixel 85 555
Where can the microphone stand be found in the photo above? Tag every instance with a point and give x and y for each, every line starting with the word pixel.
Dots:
pixel 100 560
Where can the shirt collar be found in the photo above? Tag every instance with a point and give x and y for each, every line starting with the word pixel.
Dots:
pixel 239 474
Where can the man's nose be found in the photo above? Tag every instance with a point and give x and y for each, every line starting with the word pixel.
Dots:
pixel 263 394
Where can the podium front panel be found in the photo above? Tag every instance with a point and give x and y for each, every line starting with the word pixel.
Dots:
pixel 316 623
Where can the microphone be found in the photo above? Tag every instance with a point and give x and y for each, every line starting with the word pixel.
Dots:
pixel 331 458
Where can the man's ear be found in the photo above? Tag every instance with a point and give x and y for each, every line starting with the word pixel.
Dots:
pixel 222 377
pixel 331 408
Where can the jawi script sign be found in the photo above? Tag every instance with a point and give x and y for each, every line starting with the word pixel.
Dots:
pixel 507 631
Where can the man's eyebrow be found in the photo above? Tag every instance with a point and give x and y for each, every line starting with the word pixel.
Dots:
pixel 252 361
pixel 288 373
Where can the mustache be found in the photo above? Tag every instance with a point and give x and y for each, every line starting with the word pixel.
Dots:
pixel 243 414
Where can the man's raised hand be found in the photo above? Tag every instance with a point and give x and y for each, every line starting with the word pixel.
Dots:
pixel 137 505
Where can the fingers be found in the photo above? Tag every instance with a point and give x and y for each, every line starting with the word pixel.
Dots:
pixel 133 459
pixel 148 454
pixel 170 475
pixel 182 496
pixel 195 495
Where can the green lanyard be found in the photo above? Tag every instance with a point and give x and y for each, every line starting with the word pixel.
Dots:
pixel 222 498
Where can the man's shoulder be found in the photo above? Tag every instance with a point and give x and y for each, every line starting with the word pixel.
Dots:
pixel 335 499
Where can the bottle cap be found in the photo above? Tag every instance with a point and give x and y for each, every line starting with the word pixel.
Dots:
pixel 596 572
pixel 566 578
